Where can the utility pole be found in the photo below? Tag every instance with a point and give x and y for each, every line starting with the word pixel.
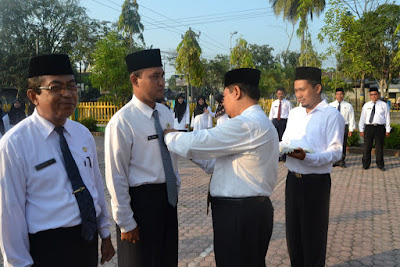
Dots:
pixel 230 48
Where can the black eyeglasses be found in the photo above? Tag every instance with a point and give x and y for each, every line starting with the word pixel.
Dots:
pixel 73 88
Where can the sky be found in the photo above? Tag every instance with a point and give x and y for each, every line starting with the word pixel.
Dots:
pixel 219 23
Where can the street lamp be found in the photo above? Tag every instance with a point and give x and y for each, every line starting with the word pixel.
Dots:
pixel 230 46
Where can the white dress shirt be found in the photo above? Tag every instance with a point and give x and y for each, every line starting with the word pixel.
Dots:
pixel 246 152
pixel 222 119
pixel 133 156
pixel 7 126
pixel 286 106
pixel 322 130
pixel 185 120
pixel 202 121
pixel 34 199
pixel 382 115
pixel 347 111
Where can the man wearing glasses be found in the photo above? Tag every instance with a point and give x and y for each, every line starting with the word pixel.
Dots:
pixel 374 124
pixel 51 191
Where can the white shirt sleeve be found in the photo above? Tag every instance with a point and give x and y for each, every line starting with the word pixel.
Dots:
pixel 103 218
pixel 232 137
pixel 117 147
pixel 187 115
pixel 210 116
pixel 192 122
pixel 334 135
pixel 363 117
pixel 352 121
pixel 387 117
pixel 14 241
pixel 206 165
pixel 271 112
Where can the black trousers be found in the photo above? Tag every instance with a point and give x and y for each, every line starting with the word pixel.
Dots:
pixel 158 230
pixel 370 133
pixel 346 136
pixel 63 247
pixel 307 217
pixel 242 230
pixel 280 127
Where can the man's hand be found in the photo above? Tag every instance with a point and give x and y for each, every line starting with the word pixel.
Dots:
pixel 131 236
pixel 350 134
pixel 298 153
pixel 387 134
pixel 169 131
pixel 107 250
pixel 362 134
pixel 186 125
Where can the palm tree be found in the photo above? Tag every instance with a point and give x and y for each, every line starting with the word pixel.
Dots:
pixel 293 10
pixel 129 21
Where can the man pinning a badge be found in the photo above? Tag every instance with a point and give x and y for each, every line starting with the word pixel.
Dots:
pixel 51 190
pixel 374 125
pixel 313 138
pixel 347 111
pixel 141 175
pixel 244 150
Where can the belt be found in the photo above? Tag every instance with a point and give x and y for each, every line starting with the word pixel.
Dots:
pixel 243 200
pixel 311 175
pixel 298 175
pixel 375 124
pixel 148 187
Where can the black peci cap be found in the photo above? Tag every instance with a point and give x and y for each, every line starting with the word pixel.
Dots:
pixel 53 64
pixel 308 73
pixel 143 59
pixel 244 75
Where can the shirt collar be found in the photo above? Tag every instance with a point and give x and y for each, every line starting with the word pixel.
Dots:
pixel 145 109
pixel 45 127
pixel 251 109
pixel 322 106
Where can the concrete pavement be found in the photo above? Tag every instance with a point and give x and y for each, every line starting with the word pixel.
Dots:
pixel 364 228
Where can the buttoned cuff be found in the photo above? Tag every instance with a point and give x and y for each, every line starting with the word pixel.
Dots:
pixel 310 158
pixel 128 227
pixel 104 232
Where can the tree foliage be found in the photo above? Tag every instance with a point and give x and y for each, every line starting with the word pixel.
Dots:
pixel 188 60
pixel 49 26
pixel 109 71
pixel 129 22
pixel 294 10
pixel 215 70
pixel 241 55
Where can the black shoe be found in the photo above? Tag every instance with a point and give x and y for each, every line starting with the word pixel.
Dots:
pixel 343 165
pixel 365 168
pixel 382 169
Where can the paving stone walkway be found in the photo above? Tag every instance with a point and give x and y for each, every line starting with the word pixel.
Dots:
pixel 364 227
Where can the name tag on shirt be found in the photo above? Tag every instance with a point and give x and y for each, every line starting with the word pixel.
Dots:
pixel 152 137
pixel 45 164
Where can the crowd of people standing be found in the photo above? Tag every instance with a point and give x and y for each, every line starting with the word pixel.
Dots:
pixel 53 207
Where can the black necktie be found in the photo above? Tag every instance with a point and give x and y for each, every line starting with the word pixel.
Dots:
pixel 371 118
pixel 338 108
pixel 170 177
pixel 82 194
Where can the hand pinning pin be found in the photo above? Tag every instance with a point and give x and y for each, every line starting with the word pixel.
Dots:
pixel 78 190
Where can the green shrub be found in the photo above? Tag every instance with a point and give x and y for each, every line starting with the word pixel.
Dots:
pixel 393 141
pixel 90 123
pixel 354 140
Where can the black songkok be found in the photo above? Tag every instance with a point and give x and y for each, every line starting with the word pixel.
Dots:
pixel 245 75
pixel 339 90
pixel 373 89
pixel 308 73
pixel 143 59
pixel 53 64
